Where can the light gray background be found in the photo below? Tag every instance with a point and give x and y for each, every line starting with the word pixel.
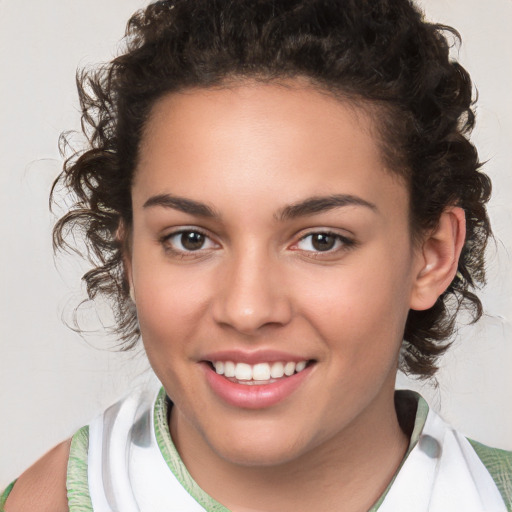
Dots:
pixel 51 380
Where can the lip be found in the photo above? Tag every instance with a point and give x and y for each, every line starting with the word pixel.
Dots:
pixel 257 396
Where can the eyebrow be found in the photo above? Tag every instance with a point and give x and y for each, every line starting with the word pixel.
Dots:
pixel 321 204
pixel 309 206
pixel 183 205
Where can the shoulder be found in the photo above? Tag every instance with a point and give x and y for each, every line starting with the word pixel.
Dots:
pixel 499 464
pixel 42 487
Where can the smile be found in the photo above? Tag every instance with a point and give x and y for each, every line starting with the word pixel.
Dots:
pixel 256 386
pixel 258 374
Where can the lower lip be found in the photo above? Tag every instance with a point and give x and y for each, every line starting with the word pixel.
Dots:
pixel 257 396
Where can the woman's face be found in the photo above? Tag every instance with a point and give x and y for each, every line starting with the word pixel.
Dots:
pixel 268 236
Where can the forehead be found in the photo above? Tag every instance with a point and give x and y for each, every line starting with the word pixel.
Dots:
pixel 262 142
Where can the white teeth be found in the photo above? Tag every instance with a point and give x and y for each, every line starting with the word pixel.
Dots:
pixel 300 366
pixel 229 369
pixel 243 371
pixel 277 370
pixel 289 369
pixel 259 372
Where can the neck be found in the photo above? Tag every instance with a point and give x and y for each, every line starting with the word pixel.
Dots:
pixel 353 468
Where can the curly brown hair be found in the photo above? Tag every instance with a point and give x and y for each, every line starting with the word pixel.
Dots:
pixel 378 53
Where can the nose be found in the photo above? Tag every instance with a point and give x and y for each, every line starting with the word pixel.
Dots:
pixel 251 295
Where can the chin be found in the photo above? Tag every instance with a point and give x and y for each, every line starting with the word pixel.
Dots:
pixel 260 447
pixel 258 455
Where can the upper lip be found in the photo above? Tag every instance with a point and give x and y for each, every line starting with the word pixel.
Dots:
pixel 253 357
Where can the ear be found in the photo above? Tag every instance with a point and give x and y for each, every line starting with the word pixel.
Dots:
pixel 123 237
pixel 438 258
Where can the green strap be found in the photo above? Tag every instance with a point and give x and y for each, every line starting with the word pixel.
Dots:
pixel 173 459
pixel 5 495
pixel 499 464
pixel 77 484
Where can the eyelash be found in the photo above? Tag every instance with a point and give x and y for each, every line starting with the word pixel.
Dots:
pixel 342 243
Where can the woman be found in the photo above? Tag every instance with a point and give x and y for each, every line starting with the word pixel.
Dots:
pixel 284 204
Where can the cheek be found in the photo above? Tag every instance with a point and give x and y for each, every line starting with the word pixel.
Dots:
pixel 362 305
pixel 170 312
pixel 170 304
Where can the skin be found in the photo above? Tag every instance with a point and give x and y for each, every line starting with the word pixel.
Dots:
pixel 42 487
pixel 249 154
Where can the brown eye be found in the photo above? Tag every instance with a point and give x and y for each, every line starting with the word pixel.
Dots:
pixel 323 241
pixel 192 240
pixel 187 241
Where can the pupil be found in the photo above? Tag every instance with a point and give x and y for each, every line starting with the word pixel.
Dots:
pixel 323 242
pixel 192 240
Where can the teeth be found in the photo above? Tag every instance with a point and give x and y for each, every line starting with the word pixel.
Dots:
pixel 243 371
pixel 277 370
pixel 229 369
pixel 300 366
pixel 258 372
pixel 261 371
pixel 289 369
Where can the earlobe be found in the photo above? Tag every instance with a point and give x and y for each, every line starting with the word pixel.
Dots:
pixel 438 258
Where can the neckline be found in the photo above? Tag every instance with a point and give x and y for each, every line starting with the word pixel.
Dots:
pixel 172 457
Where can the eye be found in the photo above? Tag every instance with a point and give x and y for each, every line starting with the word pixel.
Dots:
pixel 323 242
pixel 189 240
